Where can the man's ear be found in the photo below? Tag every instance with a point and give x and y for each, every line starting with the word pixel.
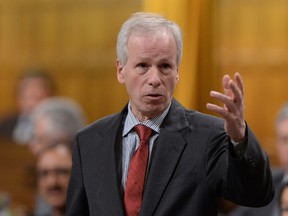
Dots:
pixel 177 76
pixel 120 72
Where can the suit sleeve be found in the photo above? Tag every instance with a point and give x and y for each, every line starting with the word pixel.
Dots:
pixel 245 180
pixel 77 203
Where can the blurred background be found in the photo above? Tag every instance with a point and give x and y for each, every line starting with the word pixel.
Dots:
pixel 75 41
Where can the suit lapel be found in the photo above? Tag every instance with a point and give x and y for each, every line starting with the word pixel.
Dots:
pixel 105 179
pixel 168 150
pixel 167 153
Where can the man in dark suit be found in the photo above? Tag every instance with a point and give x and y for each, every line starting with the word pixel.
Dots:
pixel 193 159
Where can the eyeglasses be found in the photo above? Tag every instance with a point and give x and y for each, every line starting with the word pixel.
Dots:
pixel 284 209
pixel 58 172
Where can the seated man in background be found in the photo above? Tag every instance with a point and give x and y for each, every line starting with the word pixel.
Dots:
pixel 54 120
pixel 33 86
pixel 279 174
pixel 53 168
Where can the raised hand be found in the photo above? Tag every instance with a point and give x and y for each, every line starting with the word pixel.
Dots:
pixel 233 108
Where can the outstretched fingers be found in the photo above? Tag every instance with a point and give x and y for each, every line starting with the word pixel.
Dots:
pixel 233 105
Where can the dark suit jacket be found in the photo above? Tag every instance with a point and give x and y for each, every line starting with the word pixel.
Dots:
pixel 7 126
pixel 192 164
pixel 272 209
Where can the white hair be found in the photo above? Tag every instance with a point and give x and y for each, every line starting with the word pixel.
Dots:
pixel 145 23
pixel 65 116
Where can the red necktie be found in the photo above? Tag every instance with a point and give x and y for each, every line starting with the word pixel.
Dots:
pixel 137 171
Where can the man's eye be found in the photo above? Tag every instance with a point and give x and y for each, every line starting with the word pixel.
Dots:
pixel 62 171
pixel 165 66
pixel 42 173
pixel 142 65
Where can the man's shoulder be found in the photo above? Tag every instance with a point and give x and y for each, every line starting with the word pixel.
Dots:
pixel 7 125
pixel 194 115
pixel 203 119
pixel 185 117
pixel 102 123
pixel 9 120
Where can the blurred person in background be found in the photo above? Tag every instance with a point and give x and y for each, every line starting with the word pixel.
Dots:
pixel 279 174
pixel 53 168
pixel 283 200
pixel 54 120
pixel 33 86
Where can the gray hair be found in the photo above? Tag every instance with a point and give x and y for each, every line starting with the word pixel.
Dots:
pixel 65 116
pixel 143 23
pixel 282 114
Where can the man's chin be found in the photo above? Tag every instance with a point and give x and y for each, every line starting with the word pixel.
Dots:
pixel 57 203
pixel 153 111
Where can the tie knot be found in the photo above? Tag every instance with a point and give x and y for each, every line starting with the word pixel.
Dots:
pixel 143 131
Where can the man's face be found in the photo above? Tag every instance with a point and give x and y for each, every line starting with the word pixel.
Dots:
pixel 282 143
pixel 41 136
pixel 53 170
pixel 150 74
pixel 284 202
pixel 31 92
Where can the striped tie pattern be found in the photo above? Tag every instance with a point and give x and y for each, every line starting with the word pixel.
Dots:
pixel 137 171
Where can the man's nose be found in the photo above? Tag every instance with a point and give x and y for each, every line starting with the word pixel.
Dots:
pixel 154 77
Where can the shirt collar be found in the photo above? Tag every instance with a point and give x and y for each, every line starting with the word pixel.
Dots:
pixel 131 120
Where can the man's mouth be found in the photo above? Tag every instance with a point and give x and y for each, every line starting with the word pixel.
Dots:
pixel 54 192
pixel 154 96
